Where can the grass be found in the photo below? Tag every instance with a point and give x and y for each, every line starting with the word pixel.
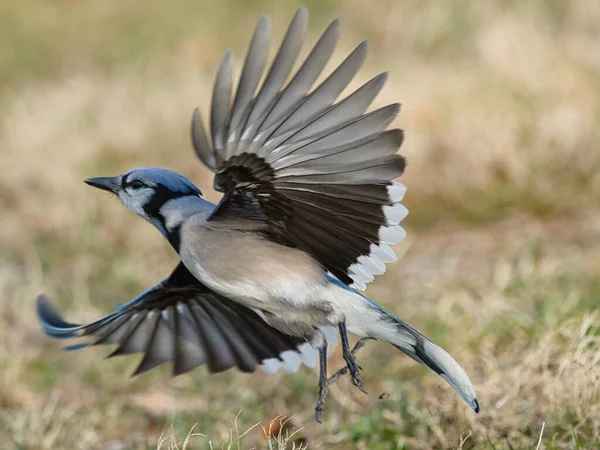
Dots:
pixel 501 106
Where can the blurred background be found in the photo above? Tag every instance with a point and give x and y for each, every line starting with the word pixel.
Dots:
pixel 501 108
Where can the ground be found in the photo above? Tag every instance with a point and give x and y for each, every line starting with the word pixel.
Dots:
pixel 501 106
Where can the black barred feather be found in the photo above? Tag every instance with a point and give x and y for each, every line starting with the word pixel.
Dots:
pixel 180 321
pixel 313 173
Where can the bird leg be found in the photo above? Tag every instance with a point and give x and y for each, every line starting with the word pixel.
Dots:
pixel 361 342
pixel 348 355
pixel 323 382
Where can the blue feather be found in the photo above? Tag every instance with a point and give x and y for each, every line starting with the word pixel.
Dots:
pixel 173 181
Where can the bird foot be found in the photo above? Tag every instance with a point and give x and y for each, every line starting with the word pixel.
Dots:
pixel 353 367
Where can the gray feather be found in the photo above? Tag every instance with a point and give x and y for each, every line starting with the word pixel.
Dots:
pixel 351 134
pixel 147 361
pixel 345 111
pixel 370 194
pixel 243 353
pixel 127 342
pixel 160 348
pixel 140 336
pixel 306 76
pixel 200 141
pixel 219 355
pixel 324 95
pixel 254 65
pixel 377 174
pixel 280 70
pixel 192 349
pixel 220 102
pixel 342 113
pixel 107 333
pixel 353 155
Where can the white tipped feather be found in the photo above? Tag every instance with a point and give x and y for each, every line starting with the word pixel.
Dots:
pixel 306 354
pixel 271 365
pixel 309 355
pixel 379 264
pixel 396 192
pixel 384 253
pixel 358 277
pixel 391 235
pixel 367 265
pixel 291 361
pixel 363 271
pixel 360 271
pixel 394 214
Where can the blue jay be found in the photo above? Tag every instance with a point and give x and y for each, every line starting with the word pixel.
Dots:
pixel 269 275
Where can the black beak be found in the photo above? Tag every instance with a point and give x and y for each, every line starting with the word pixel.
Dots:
pixel 110 184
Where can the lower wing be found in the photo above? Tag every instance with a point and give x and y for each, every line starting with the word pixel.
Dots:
pixel 182 321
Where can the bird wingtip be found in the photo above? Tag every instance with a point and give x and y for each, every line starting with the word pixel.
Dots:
pixel 302 10
pixel 44 308
pixel 42 299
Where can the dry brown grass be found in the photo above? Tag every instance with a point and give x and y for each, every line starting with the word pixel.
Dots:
pixel 501 106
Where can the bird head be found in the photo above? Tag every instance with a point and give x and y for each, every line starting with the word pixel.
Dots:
pixel 147 190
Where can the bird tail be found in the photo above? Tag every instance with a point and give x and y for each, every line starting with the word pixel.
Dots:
pixel 410 341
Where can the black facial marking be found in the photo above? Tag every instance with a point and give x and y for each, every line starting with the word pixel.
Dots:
pixel 135 183
pixel 162 195
pixel 173 236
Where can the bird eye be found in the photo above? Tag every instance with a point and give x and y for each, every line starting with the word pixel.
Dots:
pixel 137 184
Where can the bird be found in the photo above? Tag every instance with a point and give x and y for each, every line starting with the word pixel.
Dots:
pixel 272 273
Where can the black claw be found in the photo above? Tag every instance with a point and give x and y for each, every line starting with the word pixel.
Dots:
pixel 319 413
pixel 362 389
pixel 355 375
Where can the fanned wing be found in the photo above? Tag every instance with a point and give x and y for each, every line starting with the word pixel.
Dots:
pixel 182 321
pixel 314 173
